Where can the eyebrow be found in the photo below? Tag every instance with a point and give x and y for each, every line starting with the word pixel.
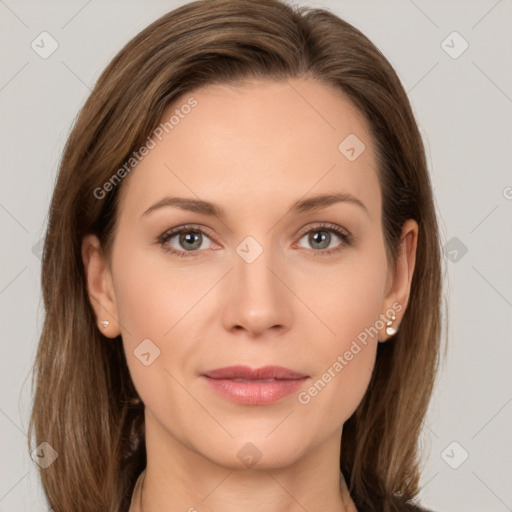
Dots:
pixel 300 206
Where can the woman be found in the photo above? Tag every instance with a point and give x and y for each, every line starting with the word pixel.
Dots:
pixel 241 274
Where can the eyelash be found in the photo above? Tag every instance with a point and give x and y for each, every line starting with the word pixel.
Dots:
pixel 345 236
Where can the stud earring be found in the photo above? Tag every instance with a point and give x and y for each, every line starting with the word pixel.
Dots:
pixel 390 330
pixel 104 323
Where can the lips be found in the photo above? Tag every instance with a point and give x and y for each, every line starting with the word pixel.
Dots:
pixel 259 386
pixel 266 373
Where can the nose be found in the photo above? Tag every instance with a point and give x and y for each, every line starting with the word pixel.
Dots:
pixel 258 303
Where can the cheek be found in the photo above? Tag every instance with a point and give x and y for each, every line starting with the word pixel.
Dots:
pixel 156 301
pixel 349 302
pixel 153 295
pixel 345 359
pixel 349 298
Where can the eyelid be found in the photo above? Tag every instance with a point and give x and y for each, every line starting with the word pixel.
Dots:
pixel 328 226
pixel 186 227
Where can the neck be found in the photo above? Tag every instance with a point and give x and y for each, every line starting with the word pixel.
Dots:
pixel 345 503
pixel 194 483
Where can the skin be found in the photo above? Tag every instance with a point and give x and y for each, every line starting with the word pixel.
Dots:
pixel 254 150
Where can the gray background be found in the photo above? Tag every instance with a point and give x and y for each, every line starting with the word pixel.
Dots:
pixel 463 106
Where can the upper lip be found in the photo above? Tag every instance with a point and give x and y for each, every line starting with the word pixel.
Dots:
pixel 246 372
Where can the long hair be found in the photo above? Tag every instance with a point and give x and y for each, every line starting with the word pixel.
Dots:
pixel 85 404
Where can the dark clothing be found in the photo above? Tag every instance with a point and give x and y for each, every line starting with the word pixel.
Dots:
pixel 397 506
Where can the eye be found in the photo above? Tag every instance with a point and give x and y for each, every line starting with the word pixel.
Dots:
pixel 190 240
pixel 326 238
pixel 185 240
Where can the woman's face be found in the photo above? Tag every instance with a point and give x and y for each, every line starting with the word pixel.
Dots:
pixel 280 262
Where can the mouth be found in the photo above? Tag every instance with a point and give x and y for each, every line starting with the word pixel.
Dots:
pixel 265 373
pixel 259 386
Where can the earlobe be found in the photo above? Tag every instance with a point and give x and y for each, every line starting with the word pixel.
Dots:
pixel 99 286
pixel 398 296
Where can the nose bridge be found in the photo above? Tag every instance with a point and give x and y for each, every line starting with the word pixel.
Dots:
pixel 252 269
pixel 258 299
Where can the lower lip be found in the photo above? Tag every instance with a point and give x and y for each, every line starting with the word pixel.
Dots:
pixel 253 392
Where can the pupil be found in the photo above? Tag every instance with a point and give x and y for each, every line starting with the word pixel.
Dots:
pixel 321 238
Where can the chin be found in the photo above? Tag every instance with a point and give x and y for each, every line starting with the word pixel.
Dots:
pixel 257 451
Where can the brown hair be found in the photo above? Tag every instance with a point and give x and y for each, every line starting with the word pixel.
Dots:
pixel 85 403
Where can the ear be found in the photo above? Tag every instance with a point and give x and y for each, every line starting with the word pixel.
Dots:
pixel 99 286
pixel 400 279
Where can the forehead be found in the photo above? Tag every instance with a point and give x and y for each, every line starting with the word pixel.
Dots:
pixel 260 140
